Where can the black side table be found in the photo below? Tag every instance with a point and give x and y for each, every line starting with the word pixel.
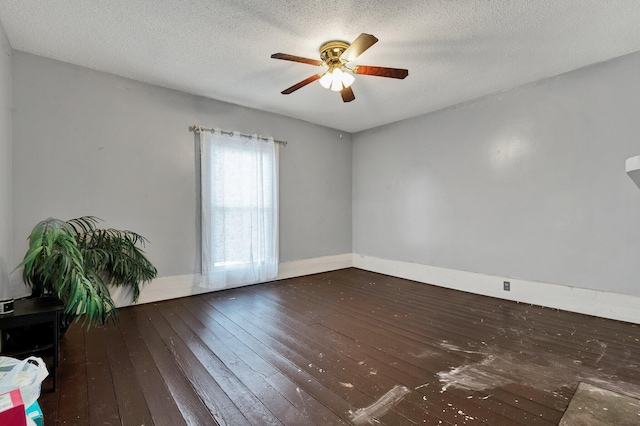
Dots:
pixel 36 311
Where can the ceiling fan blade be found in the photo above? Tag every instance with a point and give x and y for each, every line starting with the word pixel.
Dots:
pixel 286 57
pixel 301 84
pixel 381 71
pixel 359 45
pixel 347 94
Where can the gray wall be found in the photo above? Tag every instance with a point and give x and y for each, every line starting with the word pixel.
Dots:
pixel 6 239
pixel 528 183
pixel 89 143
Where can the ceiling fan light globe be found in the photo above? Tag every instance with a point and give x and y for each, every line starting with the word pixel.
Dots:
pixel 326 80
pixel 336 83
pixel 347 79
pixel 337 86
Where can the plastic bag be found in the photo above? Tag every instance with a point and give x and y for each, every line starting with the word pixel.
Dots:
pixel 26 375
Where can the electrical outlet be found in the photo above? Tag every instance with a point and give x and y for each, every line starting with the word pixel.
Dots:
pixel 506 285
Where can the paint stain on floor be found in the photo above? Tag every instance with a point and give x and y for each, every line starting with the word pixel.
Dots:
pixel 499 367
pixel 371 414
pixel 543 371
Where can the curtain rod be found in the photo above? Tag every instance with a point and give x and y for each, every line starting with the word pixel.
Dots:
pixel 197 129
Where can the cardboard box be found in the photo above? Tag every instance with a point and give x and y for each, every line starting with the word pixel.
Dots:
pixel 35 413
pixel 12 409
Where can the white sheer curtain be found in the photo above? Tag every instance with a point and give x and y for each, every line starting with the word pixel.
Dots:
pixel 239 209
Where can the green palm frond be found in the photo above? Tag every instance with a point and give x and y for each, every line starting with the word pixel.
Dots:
pixel 74 260
pixel 115 254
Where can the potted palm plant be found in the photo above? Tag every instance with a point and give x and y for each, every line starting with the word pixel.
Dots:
pixel 75 260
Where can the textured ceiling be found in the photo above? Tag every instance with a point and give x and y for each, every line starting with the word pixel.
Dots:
pixel 455 50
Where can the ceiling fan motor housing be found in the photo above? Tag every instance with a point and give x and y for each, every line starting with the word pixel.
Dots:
pixel 331 51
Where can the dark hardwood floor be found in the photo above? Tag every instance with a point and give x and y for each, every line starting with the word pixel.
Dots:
pixel 344 347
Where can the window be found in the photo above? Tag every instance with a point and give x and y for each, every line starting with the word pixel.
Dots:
pixel 239 210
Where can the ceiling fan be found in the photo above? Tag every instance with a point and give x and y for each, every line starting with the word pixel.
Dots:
pixel 336 74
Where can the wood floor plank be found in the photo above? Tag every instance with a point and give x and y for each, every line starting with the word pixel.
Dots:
pixel 550 331
pixel 249 373
pixel 132 406
pixel 537 409
pixel 159 400
pixel 372 378
pixel 342 347
pixel 228 347
pixel 336 403
pixel 217 387
pixel 208 368
pixel 308 361
pixel 189 402
pixel 101 395
pixel 534 408
pixel 290 327
pixel 72 384
pixel 329 351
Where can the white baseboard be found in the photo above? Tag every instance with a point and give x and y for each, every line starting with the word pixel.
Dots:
pixel 591 302
pixel 160 289
pixel 187 285
pixel 298 268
